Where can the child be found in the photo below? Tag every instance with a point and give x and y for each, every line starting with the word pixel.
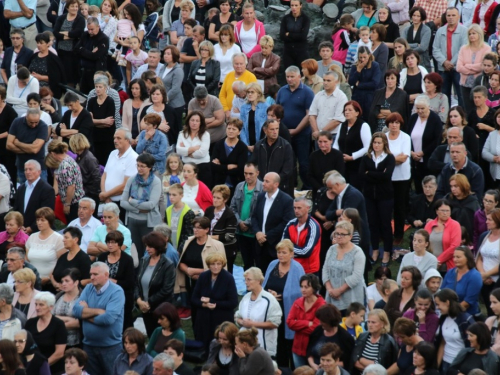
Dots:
pixel 94 11
pixel 433 280
pixel 424 315
pixel 173 174
pixel 388 286
pixel 493 39
pixel 124 30
pixel 272 91
pixel 136 58
pixel 352 322
pixel 84 10
pixel 342 38
pixel 352 52
pixel 179 217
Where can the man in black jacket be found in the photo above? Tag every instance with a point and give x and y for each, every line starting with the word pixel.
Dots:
pixel 23 54
pixel 441 155
pixel 93 50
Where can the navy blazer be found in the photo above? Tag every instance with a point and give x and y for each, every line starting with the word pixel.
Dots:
pixel 280 213
pixel 43 196
pixel 23 58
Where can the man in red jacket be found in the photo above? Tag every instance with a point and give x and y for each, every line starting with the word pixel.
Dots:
pixel 305 233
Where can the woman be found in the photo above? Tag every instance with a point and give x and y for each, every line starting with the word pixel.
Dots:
pixel 75 121
pixel 367 15
pixel 271 62
pixel 140 200
pixel 153 142
pixel 301 318
pixel 489 152
pixel 343 269
pixel 172 80
pixel 75 360
pixel 24 297
pixel 48 332
pixel 412 76
pixel 424 360
pixel 68 179
pixel 494 90
pixel 330 357
pixel 108 18
pixel 264 318
pixel 65 300
pixel 464 203
pixel 458 118
pixel 438 100
pixel 7 116
pixel 453 320
pixel 223 223
pixel 33 362
pixel 215 298
pixel 89 166
pixel 418 35
pixel 196 194
pixel 172 12
pixel 14 222
pixel 20 85
pixel 424 315
pixel 132 107
pixel 43 248
pixel 102 108
pixel 283 282
pixel 224 51
pixel 293 32
pixel 469 63
pixel 444 235
pixel 224 17
pixel 397 62
pixel 68 29
pixel 380 50
pixel 253 358
pixel 421 257
pixel 170 328
pixel 425 129
pixel 253 114
pixel 491 201
pixel 392 29
pixel 10 361
pixel 375 292
pixel 310 78
pixel 51 105
pixel 492 321
pixel 376 345
pixel 229 156
pixel 248 31
pixel 465 280
pixel 222 348
pixel 376 168
pixel 157 284
pixel 365 77
pixel 388 100
pixel 134 356
pixel 482 117
pixel 353 140
pixel 406 332
pixel 206 70
pixel 403 299
pixel 193 145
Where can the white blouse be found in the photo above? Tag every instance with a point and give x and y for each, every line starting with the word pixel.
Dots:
pixel 226 63
pixel 402 144
pixel 43 253
pixel 199 156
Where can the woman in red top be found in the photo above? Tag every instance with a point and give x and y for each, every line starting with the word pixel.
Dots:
pixel 484 21
pixel 196 194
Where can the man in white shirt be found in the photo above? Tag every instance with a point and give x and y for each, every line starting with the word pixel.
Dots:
pixel 86 222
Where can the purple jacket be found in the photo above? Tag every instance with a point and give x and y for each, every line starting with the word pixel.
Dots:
pixel 427 330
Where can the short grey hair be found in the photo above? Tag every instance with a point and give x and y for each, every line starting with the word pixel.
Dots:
pixel 48 298
pixel 167 361
pixel 155 50
pixel 423 99
pixel 93 21
pixel 239 54
pixel 239 85
pixel 201 92
pixel 111 207
pixel 460 131
pixel 17 250
pixel 336 178
pixel 308 202
pixel 101 265
pixel 101 80
pixel 429 179
pixel 90 200
pixel 480 89
pixel 375 369
pixel 163 229
pixel 6 293
pixel 33 111
pixel 292 69
pixel 34 162
pixel 128 133
pixel 331 73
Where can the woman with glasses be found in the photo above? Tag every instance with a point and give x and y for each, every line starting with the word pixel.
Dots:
pixel 33 361
pixel 206 70
pixel 24 297
pixel 343 269
pixel 253 114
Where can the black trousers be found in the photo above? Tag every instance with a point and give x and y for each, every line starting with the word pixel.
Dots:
pixel 247 250
pixel 401 199
pixel 295 54
pixel 87 80
pixel 379 218
pixel 418 172
pixel 265 255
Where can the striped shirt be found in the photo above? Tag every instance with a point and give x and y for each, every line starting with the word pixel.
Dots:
pixel 371 350
pixel 200 76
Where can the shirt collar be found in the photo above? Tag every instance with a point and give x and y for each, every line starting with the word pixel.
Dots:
pixel 343 191
pixel 103 289
pixel 273 196
pixel 33 184
pixel 465 165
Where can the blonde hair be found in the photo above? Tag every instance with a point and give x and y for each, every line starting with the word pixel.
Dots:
pixel 383 318
pixel 256 273
pixel 215 257
pixel 346 226
pixel 285 244
pixel 79 143
pixel 186 4
pixel 209 45
pixel 14 215
pixel 25 275
pixel 168 171
pixel 475 27
pixel 266 40
pixel 258 89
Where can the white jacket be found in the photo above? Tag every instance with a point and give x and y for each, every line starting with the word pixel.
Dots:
pixel 403 76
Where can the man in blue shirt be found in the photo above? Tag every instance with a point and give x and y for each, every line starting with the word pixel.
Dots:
pixel 22 15
pixel 296 98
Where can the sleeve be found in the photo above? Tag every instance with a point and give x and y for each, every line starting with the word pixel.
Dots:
pixel 166 293
pixel 175 89
pixel 296 322
pixel 372 83
pixel 359 268
pixel 205 146
pixel 181 150
pixel 152 342
pixel 385 175
pixel 489 148
pixel 473 287
pixel 114 309
pixel 312 239
pixel 275 313
pixel 124 202
pixel 128 281
pixel 11 99
pixel 77 308
pixel 78 28
pixel 325 274
pixel 102 51
pixel 230 298
pixel 428 329
pixel 366 137
pixel 57 26
pixel 455 237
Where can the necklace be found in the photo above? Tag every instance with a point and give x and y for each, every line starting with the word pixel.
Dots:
pixel 23 307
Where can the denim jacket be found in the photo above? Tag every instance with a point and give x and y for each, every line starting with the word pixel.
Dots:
pixel 237 202
pixel 260 119
pixel 156 146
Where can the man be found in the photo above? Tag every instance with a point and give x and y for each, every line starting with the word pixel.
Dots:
pixel 14 261
pixel 296 99
pixel 243 205
pixel 276 112
pixel 86 222
pixel 22 15
pixel 154 57
pixel 16 55
pixel 327 108
pixel 175 349
pixel 446 54
pixel 460 163
pixel 211 108
pixel 441 155
pixel 325 50
pixel 273 210
pixel 93 49
pixel 100 309
pixel 433 9
pixel 490 64
pixel 305 233
pixel 240 93
pixel 27 136
pixel 274 154
pixel 422 205
pixel 163 364
pixel 120 167
pixel 466 9
pixel 171 253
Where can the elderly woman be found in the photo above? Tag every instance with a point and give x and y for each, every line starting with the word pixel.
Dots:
pixel 367 15
pixel 155 279
pixel 34 362
pixel 265 313
pixel 75 121
pixel 14 222
pixel 310 78
pixel 249 31
pixel 353 140
pixel 48 331
pixel 224 51
pixel 438 100
pixel 11 318
pixel 253 358
pixel 102 108
pixel 283 282
pixel 224 17
pixel 20 85
pixel 206 70
pixel 44 247
pixel 464 203
pixel 132 107
pixel 404 298
pixel 134 357
pixel 153 142
pixel 412 76
pixel 293 32
pixel 253 114
pixel 425 129
pixel 397 62
pixel 215 298
pixel 24 297
pixel 406 331
pixel 111 217
pixel 380 50
pixel 343 269
pixel 140 199
pixel 170 328
pixel 222 348
pixel 419 35
pixel 376 168
pixel 457 118
pixel 421 257
pixel 481 118
pixel 376 345
pixel 68 179
pixel 271 62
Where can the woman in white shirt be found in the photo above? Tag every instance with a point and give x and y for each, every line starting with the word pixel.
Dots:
pixel 19 87
pixel 375 292
pixel 193 145
pixel 225 50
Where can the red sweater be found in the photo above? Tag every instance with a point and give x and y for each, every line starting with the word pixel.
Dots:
pixel 452 235
pixel 204 197
pixel 298 321
pixel 487 16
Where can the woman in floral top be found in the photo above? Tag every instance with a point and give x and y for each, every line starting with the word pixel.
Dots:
pixel 65 300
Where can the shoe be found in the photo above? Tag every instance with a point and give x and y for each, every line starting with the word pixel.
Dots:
pixel 184 313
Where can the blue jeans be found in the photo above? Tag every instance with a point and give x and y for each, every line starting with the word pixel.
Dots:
pixel 299 360
pixel 21 178
pixel 452 78
pixel 300 145
pixel 101 358
pixel 444 367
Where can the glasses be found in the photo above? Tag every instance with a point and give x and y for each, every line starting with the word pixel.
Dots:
pixel 142 166
pixel 336 234
pixel 204 49
pixel 19 341
pixel 12 259
pixel 47 100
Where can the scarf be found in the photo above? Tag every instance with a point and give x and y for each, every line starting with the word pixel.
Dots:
pixel 145 185
pixel 409 34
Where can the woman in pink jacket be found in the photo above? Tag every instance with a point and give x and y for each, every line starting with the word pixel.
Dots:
pixel 249 31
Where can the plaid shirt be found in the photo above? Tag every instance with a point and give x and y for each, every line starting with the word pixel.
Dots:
pixel 433 8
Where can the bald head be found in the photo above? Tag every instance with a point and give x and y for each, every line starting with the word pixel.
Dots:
pixel 271 182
